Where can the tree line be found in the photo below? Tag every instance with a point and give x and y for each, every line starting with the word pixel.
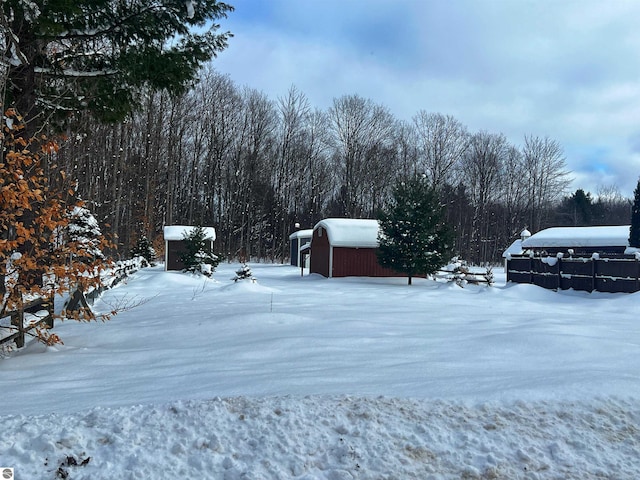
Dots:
pixel 228 156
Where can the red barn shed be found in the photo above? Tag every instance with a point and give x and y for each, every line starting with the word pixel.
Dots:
pixel 345 247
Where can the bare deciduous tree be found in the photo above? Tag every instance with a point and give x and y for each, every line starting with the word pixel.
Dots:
pixel 482 166
pixel 513 193
pixel 547 177
pixel 362 137
pixel 442 142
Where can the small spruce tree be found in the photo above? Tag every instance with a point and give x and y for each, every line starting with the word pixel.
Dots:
pixel 198 257
pixel 144 249
pixel 634 230
pixel 244 273
pixel 414 238
pixel 84 232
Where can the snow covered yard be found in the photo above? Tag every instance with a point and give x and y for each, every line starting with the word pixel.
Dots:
pixel 309 378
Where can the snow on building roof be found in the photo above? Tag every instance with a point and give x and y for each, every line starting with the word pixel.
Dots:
pixel 305 247
pixel 301 234
pixel 178 232
pixel 514 249
pixel 610 236
pixel 351 232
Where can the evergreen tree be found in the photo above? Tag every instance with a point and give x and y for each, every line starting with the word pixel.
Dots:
pixel 83 231
pixel 634 230
pixel 414 238
pixel 144 249
pixel 577 210
pixel 244 273
pixel 198 257
pixel 64 57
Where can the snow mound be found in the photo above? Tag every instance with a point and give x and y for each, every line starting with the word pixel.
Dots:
pixel 246 285
pixel 330 438
pixel 154 278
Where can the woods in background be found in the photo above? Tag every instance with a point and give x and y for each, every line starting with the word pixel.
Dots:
pixel 253 167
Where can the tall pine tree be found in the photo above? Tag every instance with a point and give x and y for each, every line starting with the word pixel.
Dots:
pixel 63 56
pixel 634 230
pixel 414 237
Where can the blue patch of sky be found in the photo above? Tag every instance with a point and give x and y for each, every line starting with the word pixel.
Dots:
pixel 253 11
pixel 592 158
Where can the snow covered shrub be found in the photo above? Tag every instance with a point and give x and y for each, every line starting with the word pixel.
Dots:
pixel 144 249
pixel 488 276
pixel 84 232
pixel 461 273
pixel 198 257
pixel 7 348
pixel 459 270
pixel 244 273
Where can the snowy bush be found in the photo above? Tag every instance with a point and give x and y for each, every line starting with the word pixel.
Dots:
pixel 198 257
pixel 244 273
pixel 83 230
pixel 461 273
pixel 7 348
pixel 144 249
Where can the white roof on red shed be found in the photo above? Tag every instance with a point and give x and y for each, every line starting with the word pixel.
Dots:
pixel 351 232
pixel 609 236
pixel 178 232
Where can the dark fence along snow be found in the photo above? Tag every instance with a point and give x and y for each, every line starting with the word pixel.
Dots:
pixel 612 273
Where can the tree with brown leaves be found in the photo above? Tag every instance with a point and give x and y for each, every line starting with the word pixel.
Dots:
pixel 38 257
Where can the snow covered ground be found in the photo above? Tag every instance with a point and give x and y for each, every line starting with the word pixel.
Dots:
pixel 310 378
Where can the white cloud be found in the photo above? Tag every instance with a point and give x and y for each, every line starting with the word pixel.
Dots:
pixel 568 70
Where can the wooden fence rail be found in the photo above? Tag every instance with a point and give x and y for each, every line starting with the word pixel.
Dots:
pixel 34 313
pixel 81 299
pixel 39 311
pixel 602 273
pixel 465 275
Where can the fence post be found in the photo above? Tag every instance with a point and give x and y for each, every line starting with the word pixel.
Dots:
pixel 593 273
pixel 531 270
pixel 76 300
pixel 51 310
pixel 17 319
pixel 559 271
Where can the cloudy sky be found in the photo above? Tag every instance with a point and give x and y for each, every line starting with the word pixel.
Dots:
pixel 565 69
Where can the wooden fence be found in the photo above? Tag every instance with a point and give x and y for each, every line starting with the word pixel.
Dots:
pixel 465 275
pixel 81 299
pixel 39 311
pixel 602 273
